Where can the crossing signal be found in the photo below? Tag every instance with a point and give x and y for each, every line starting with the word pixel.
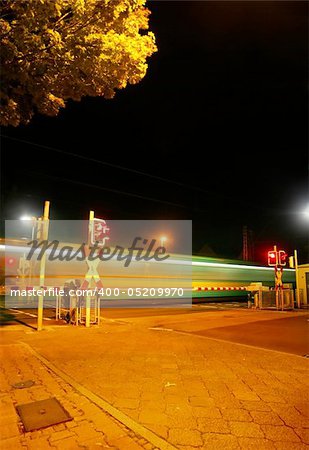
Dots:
pixel 272 258
pixel 291 262
pixel 282 258
pixel 10 262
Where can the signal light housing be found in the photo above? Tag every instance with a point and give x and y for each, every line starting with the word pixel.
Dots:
pixel 10 261
pixel 272 258
pixel 282 258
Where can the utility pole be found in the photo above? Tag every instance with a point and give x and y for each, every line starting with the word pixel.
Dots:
pixel 245 252
pixel 43 230
pixel 247 244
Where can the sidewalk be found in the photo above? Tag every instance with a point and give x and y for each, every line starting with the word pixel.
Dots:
pixel 190 391
pixel 91 428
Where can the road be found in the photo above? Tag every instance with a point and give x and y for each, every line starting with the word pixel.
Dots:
pixel 233 322
pixel 183 376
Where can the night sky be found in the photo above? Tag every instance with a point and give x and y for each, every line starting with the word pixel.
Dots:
pixel 216 133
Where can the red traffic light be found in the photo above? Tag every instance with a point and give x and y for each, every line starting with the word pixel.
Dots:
pixel 272 258
pixel 10 262
pixel 282 258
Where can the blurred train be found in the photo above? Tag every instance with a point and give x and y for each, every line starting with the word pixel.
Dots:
pixel 220 278
pixel 205 277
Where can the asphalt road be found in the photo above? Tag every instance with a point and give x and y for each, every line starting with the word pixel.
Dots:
pixel 290 335
pixel 282 331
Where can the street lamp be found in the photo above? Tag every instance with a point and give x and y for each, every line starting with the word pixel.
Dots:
pixel 33 220
pixel 306 212
pixel 163 239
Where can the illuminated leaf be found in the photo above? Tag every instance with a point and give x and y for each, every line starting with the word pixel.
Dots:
pixel 55 50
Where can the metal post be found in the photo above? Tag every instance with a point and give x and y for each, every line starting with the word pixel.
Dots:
pixel 34 226
pixel 91 217
pixel 44 236
pixel 296 276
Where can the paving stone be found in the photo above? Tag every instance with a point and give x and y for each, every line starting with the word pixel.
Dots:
pixel 187 447
pixel 107 426
pixel 42 443
pixel 13 443
pixel 128 403
pixel 271 398
pixel 153 417
pixel 57 435
pixel 255 444
pixel 9 430
pixel 290 446
pixel 207 425
pixel 59 427
pixel 246 429
pixel 86 431
pixel 236 414
pixel 303 433
pixel 302 408
pixel 202 401
pixel 251 405
pixel 94 442
pixel 160 430
pixel 280 433
pixel 266 418
pixel 220 441
pixel 246 395
pixel 292 418
pixel 212 413
pixel 126 443
pixel 65 444
pixel 184 436
pixel 71 424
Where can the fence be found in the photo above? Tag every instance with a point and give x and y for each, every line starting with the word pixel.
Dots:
pixel 74 309
pixel 279 300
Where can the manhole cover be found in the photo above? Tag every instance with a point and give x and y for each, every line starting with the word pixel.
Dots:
pixel 42 414
pixel 23 384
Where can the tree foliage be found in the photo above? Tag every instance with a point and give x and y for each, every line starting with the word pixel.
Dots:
pixel 54 50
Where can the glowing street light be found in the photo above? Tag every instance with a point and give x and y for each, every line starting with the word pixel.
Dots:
pixel 306 212
pixel 163 239
pixel 26 218
pixel 33 219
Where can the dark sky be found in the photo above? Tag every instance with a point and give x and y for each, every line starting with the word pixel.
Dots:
pixel 216 133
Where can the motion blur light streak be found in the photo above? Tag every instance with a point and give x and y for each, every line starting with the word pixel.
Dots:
pixel 235 266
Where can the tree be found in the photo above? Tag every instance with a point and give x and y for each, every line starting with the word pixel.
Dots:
pixel 55 50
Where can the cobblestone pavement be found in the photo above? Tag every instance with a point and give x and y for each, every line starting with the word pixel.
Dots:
pixel 91 428
pixel 194 392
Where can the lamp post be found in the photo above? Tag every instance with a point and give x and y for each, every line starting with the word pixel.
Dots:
pixel 43 236
pixel 34 220
pixel 42 225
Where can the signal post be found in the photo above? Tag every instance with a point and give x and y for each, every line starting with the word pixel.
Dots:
pixel 277 259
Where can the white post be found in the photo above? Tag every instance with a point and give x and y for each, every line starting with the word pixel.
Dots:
pixel 44 236
pixel 91 217
pixel 296 276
